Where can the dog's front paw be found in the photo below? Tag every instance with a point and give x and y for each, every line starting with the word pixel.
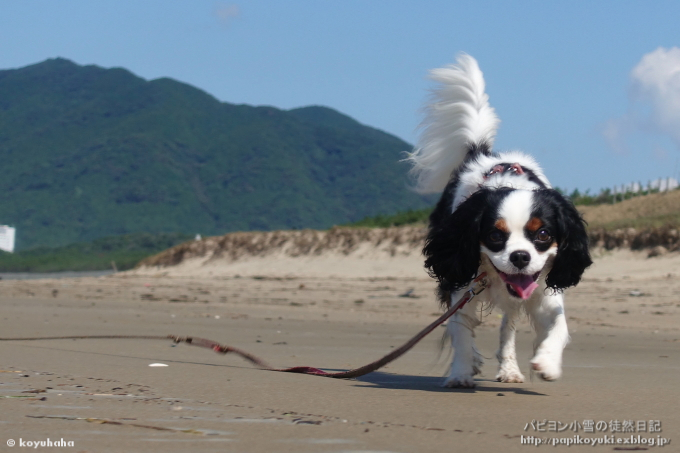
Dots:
pixel 547 367
pixel 510 376
pixel 461 381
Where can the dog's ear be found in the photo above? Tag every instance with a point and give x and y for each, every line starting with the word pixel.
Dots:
pixel 573 256
pixel 453 241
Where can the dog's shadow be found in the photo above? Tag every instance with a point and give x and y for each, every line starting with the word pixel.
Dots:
pixel 434 384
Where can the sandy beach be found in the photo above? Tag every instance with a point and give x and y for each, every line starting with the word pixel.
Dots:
pixel 334 312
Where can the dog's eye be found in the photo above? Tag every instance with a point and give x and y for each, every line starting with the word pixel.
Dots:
pixel 543 236
pixel 496 236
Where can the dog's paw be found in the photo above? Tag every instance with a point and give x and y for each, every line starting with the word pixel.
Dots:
pixel 546 367
pixel 477 364
pixel 461 381
pixel 510 376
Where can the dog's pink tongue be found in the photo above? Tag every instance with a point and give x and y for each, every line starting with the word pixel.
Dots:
pixel 523 284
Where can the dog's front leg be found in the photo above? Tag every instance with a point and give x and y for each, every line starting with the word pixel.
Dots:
pixel 551 336
pixel 508 370
pixel 467 361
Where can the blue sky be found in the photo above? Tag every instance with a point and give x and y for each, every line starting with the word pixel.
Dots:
pixel 566 78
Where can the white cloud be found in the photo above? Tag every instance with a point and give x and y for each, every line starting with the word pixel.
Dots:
pixel 656 80
pixel 613 132
pixel 226 13
pixel 654 100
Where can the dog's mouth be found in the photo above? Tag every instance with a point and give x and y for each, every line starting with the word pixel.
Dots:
pixel 520 285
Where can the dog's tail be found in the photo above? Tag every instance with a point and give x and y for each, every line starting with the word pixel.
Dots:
pixel 458 120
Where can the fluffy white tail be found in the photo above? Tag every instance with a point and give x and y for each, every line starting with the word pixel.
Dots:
pixel 457 116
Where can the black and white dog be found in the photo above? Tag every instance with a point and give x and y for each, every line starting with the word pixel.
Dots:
pixel 498 214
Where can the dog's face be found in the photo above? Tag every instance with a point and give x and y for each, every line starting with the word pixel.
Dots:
pixel 518 238
pixel 525 235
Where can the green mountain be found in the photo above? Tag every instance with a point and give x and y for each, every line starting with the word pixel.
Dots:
pixel 89 152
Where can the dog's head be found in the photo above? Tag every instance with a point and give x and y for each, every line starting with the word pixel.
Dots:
pixel 525 235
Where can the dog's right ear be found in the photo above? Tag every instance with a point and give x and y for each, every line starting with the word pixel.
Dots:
pixel 452 247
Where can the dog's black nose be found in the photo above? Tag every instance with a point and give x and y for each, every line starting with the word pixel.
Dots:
pixel 520 259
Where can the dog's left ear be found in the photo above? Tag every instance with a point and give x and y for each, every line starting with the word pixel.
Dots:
pixel 573 256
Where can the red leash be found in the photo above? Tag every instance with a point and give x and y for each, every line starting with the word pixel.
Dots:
pixel 479 284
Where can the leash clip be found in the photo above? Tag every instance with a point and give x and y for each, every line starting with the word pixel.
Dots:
pixel 480 284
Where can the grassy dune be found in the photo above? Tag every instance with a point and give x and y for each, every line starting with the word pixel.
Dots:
pixel 655 210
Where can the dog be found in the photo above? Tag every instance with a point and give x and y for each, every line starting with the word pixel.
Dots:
pixel 497 214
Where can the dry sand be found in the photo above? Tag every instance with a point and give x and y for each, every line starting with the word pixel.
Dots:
pixel 334 311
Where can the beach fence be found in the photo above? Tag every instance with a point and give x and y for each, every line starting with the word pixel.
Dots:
pixel 7 234
pixel 630 190
pixel 624 191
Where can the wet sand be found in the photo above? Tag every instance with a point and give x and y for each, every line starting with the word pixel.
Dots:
pixel 622 364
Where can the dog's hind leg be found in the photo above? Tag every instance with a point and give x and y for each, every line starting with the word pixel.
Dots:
pixel 467 361
pixel 508 370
